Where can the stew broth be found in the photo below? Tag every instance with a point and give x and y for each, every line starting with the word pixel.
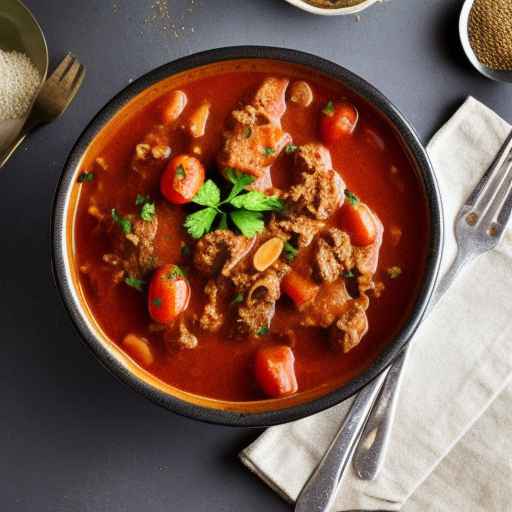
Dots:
pixel 374 166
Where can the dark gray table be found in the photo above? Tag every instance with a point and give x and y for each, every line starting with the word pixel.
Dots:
pixel 72 438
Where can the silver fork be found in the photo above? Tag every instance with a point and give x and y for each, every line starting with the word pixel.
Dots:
pixel 479 226
pixel 54 98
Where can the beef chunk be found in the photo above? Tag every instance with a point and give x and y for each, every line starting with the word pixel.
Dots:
pixel 313 157
pixel 185 338
pixel 253 149
pixel 151 154
pixel 319 193
pixel 329 305
pixel 333 255
pixel 327 267
pixel 139 257
pixel 350 328
pixel 295 226
pixel 270 100
pixel 256 138
pixel 220 251
pixel 261 293
pixel 213 317
pixel 134 252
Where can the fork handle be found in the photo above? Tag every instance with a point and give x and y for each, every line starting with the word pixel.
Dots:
pixel 372 447
pixel 370 452
pixel 319 491
pixel 31 124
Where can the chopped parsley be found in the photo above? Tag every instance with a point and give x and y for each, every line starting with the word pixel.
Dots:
pixel 140 200
pixel 123 222
pixel 351 197
pixel 290 252
pixel 138 284
pixel 263 330
pixel 247 132
pixel 148 211
pixel 86 177
pixel 394 272
pixel 175 273
pixel 243 209
pixel 268 151
pixel 328 110
pixel 157 301
pixel 290 148
pixel 238 298
pixel 348 274
pixel 180 172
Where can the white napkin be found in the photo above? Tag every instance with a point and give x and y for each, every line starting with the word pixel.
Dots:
pixel 461 358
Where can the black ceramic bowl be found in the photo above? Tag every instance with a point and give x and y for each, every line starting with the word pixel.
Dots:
pixel 259 413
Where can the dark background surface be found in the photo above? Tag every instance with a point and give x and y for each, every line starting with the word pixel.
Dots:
pixel 72 438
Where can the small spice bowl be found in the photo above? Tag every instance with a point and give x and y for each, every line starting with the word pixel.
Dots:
pixel 493 74
pixel 19 31
pixel 332 11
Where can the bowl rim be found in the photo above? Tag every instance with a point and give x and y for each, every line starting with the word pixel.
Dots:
pixel 60 264
pixel 330 11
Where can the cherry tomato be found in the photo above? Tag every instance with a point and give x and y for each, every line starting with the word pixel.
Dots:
pixel 359 222
pixel 298 288
pixel 275 372
pixel 338 120
pixel 182 178
pixel 169 294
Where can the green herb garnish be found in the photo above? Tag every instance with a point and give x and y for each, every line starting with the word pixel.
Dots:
pixel 348 274
pixel 290 252
pixel 328 110
pixel 138 284
pixel 157 301
pixel 140 200
pixel 351 197
pixel 180 171
pixel 238 298
pixel 123 222
pixel 268 151
pixel 86 177
pixel 148 211
pixel 290 148
pixel 175 273
pixel 263 330
pixel 244 209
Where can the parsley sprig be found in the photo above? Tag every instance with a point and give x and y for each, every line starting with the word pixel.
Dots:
pixel 148 210
pixel 244 210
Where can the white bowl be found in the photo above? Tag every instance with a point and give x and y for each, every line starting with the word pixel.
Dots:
pixel 326 11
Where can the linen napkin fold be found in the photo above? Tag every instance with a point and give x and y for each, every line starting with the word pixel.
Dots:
pixel 459 362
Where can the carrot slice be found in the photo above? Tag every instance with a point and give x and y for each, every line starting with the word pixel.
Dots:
pixel 300 289
pixel 275 372
pixel 359 222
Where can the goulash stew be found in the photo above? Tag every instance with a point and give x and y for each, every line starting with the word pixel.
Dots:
pixel 251 235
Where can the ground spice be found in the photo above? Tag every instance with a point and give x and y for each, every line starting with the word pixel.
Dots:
pixel 334 4
pixel 490 33
pixel 19 80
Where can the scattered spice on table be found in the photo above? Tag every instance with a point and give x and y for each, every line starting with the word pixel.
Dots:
pixel 490 33
pixel 173 22
pixel 19 80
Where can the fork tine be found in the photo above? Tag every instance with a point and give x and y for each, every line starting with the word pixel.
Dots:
pixel 486 186
pixel 61 69
pixel 77 82
pixel 71 74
